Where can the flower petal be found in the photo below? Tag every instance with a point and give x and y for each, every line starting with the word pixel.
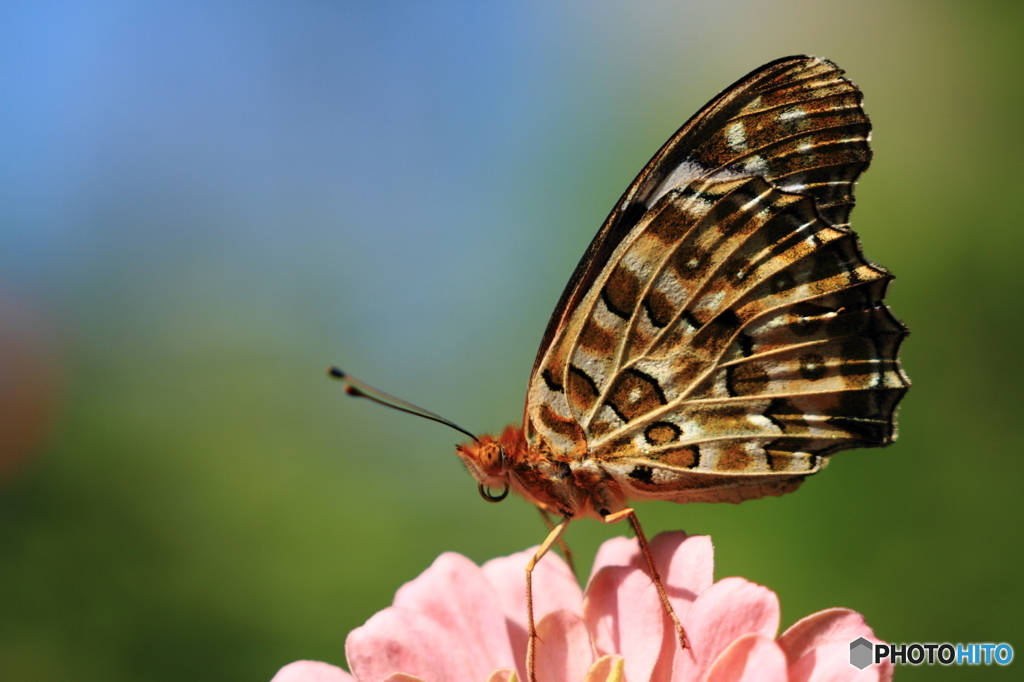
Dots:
pixel 446 624
pixel 402 677
pixel 831 626
pixel 564 652
pixel 625 616
pixel 457 595
pixel 399 640
pixel 726 611
pixel 823 627
pixel 554 588
pixel 618 551
pixel 686 565
pixel 311 671
pixel 554 585
pixel 831 663
pixel 750 658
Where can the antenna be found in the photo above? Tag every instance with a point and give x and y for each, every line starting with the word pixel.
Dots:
pixel 358 389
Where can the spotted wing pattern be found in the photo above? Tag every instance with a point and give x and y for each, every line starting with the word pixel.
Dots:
pixel 724 333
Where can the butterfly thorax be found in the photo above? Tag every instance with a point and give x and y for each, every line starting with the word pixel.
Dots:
pixel 569 486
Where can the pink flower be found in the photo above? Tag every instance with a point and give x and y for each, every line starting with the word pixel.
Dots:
pixel 458 622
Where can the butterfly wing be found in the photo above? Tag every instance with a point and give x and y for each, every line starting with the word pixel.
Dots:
pixel 723 331
pixel 760 125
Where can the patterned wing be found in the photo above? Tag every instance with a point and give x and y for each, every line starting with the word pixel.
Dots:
pixel 795 121
pixel 723 332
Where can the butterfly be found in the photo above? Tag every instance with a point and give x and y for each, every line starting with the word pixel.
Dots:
pixel 723 334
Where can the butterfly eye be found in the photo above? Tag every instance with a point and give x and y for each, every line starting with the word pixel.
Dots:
pixel 491 458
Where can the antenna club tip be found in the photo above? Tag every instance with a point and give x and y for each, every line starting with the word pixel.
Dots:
pixel 354 392
pixel 334 372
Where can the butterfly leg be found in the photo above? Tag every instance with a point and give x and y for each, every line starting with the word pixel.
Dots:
pixel 655 576
pixel 554 536
pixel 562 546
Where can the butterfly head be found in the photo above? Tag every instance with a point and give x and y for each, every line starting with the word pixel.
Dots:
pixel 487 460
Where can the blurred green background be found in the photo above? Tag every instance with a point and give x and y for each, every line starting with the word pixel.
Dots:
pixel 202 205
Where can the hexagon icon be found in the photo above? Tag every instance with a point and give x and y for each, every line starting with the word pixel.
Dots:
pixel 860 653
